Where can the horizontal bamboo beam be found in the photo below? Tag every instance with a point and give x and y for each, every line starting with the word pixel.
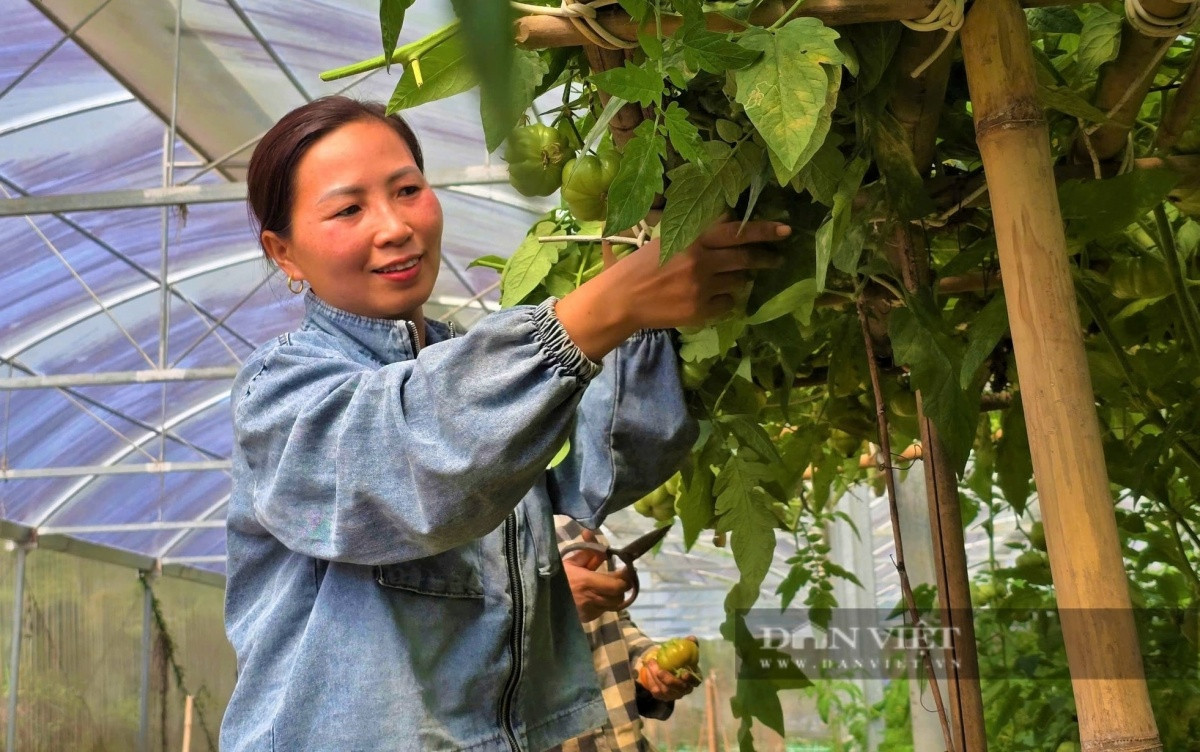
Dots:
pixel 542 32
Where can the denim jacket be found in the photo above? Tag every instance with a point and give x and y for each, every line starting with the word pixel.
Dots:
pixel 394 580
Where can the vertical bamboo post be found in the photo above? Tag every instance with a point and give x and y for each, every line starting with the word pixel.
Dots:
pixel 1064 434
pixel 917 104
pixel 187 723
pixel 710 711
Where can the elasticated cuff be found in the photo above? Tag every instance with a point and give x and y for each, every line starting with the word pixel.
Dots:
pixel 558 345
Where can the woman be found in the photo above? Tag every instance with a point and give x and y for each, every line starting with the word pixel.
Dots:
pixel 394 582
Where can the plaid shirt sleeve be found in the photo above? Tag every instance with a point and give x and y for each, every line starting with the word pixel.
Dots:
pixel 617 647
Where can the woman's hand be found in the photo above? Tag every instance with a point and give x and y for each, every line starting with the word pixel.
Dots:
pixel 693 287
pixel 594 592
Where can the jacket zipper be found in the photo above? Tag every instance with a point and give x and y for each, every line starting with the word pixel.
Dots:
pixel 412 334
pixel 515 642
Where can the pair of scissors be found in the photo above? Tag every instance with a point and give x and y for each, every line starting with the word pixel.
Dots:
pixel 627 554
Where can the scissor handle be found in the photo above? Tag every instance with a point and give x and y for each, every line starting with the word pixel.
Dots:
pixel 636 588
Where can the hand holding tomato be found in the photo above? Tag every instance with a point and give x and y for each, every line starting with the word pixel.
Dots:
pixel 671 670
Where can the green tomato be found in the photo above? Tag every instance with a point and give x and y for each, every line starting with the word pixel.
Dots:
pixel 1068 747
pixel 535 156
pixel 678 655
pixel 585 182
pixel 1037 536
pixel 692 374
pixel 1139 277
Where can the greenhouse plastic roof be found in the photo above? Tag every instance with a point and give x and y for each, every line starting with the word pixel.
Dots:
pixel 85 103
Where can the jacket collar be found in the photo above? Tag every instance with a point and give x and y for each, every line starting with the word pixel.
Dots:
pixel 386 340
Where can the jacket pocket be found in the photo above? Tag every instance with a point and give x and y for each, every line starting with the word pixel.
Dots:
pixel 451 574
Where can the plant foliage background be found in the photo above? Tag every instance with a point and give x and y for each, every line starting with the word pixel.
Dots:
pixel 794 122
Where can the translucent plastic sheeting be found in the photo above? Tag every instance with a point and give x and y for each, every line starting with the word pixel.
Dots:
pixel 82 290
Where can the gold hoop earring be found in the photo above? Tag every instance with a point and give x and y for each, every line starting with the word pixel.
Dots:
pixel 292 286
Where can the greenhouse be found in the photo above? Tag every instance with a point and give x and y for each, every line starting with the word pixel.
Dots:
pixel 882 315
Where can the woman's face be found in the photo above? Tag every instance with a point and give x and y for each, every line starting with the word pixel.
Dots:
pixel 366 228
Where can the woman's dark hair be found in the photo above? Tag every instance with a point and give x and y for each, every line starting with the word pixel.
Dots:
pixel 271 181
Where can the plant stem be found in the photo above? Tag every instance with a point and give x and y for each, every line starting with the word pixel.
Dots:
pixel 403 55
pixel 885 449
pixel 786 16
pixel 1186 305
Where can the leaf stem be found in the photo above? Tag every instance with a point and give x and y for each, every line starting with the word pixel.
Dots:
pixel 885 450
pixel 403 55
pixel 787 15
pixel 1186 305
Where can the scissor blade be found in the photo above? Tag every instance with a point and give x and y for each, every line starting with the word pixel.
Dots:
pixel 643 544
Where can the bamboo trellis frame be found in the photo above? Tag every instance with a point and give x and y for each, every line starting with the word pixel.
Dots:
pixel 1071 477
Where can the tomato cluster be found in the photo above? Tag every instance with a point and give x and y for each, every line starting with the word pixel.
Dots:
pixel 541 160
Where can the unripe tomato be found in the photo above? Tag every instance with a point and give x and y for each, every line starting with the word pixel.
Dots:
pixel 585 182
pixel 692 374
pixel 535 156
pixel 1037 536
pixel 679 655
pixel 1138 277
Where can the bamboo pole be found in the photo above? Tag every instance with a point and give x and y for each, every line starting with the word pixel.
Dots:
pixel 710 711
pixel 1124 83
pixel 187 723
pixel 917 103
pixel 1107 675
pixel 541 32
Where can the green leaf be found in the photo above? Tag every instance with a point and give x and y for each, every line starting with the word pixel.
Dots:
pixel 638 181
pixel 391 21
pixel 987 327
pixel 903 178
pixel 560 455
pixel 785 90
pixel 920 342
pixel 683 134
pixel 528 265
pixel 710 50
pixel 752 435
pixel 1054 20
pixel 504 86
pixel 797 577
pixel 796 299
pixel 634 83
pixel 824 171
pixel 697 196
pixel 498 121
pixel 1066 100
pixel 1100 208
pixel 875 45
pixel 492 261
pixel 1099 39
pixel 744 512
pixel 1014 465
pixel 445 71
pixel 637 9
pixel 698 345
pixel 785 174
pixel 695 504
pixel 832 233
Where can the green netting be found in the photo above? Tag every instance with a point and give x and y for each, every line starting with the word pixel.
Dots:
pixel 80 647
pixel 191 657
pixel 79 687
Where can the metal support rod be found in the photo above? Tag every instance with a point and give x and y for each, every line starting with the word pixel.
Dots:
pixel 112 378
pixel 14 655
pixel 130 527
pixel 169 178
pixel 83 470
pixel 144 692
pixel 53 48
pixel 213 559
pixel 254 32
pixel 205 193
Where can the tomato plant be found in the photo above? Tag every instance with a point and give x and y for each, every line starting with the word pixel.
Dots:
pixel 799 122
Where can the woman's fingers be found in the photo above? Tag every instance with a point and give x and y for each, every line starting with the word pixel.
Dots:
pixel 726 234
pixel 740 258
